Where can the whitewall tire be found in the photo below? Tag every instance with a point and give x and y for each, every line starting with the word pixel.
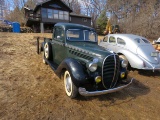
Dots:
pixel 70 89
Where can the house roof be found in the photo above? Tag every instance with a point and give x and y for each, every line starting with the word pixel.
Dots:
pixel 79 15
pixel 72 13
pixel 39 4
pixel 74 26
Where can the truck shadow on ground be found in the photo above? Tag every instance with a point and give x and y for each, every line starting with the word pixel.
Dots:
pixel 133 91
pixel 149 73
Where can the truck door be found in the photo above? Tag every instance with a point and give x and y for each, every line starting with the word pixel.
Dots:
pixel 58 48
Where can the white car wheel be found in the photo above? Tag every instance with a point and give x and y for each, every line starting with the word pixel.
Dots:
pixel 70 88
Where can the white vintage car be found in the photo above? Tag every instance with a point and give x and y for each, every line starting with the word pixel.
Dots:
pixel 137 50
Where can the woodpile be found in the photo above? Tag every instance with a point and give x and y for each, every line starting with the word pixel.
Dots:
pixel 26 30
pixel 9 29
pixel 5 29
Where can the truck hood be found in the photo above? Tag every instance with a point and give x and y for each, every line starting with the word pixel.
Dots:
pixel 145 52
pixel 92 48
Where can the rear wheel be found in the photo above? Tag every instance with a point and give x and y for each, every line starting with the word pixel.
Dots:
pixel 70 88
pixel 47 51
pixel 44 61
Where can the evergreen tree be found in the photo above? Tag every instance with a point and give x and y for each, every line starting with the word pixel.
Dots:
pixel 102 22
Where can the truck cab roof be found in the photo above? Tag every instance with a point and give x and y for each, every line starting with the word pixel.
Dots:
pixel 67 26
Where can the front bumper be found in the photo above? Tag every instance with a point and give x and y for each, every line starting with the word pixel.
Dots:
pixel 84 92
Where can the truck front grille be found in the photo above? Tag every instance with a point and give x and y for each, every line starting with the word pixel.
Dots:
pixel 110 71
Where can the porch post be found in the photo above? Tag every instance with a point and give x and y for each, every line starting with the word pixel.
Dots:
pixel 42 27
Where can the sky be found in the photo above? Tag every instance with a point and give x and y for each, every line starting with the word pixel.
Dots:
pixel 85 3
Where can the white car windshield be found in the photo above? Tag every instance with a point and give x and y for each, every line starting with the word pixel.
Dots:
pixel 81 35
pixel 139 40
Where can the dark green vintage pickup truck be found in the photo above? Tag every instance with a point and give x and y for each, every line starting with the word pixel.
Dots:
pixel 86 68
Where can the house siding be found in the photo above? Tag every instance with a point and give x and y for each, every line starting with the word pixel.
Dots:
pixel 47 20
pixel 80 20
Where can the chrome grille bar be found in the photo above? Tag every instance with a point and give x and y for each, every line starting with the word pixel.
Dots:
pixel 114 72
pixel 110 70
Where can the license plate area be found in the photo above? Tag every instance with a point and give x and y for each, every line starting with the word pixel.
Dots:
pixel 154 54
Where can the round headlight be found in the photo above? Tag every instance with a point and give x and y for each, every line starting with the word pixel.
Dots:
pixel 92 67
pixel 124 63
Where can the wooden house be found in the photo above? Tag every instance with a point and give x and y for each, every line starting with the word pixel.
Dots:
pixel 46 14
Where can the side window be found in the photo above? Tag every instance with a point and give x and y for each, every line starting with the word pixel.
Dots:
pixel 139 40
pixel 121 41
pixel 112 39
pixel 105 39
pixel 59 34
pixel 146 41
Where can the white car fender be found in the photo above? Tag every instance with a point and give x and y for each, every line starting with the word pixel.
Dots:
pixel 132 58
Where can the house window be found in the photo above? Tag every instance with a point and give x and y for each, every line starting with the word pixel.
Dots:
pixel 55 14
pixel 84 19
pixel 61 15
pixel 50 15
pixel 44 13
pixel 66 16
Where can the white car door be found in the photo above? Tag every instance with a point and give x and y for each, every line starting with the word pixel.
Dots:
pixel 112 43
pixel 120 44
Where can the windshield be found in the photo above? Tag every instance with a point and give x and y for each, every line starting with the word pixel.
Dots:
pixel 139 40
pixel 81 35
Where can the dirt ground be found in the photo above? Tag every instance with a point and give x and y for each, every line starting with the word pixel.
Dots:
pixel 29 89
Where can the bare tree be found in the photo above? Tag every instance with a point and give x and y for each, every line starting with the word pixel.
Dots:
pixel 93 8
pixel 2 8
pixel 74 5
pixel 14 11
pixel 137 17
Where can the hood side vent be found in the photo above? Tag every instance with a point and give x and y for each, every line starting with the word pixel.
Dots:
pixel 80 54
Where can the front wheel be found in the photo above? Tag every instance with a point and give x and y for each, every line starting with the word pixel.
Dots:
pixel 70 88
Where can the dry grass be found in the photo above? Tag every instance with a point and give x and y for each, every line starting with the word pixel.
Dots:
pixel 29 90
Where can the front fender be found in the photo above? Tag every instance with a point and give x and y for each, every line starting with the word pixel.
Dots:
pixel 132 58
pixel 78 73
